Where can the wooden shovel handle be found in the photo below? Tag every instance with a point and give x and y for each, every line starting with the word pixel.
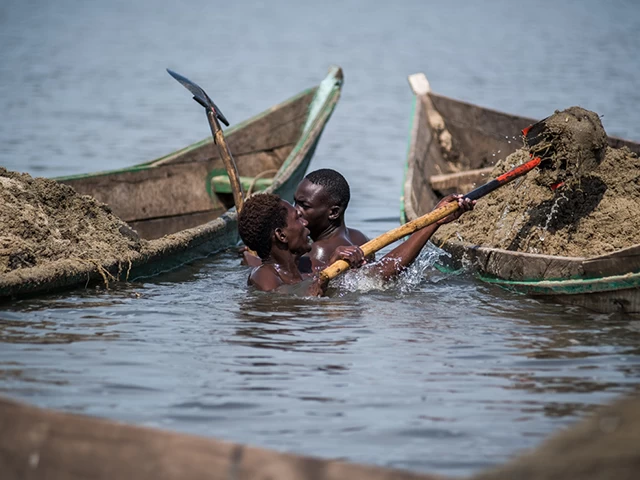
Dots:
pixel 229 163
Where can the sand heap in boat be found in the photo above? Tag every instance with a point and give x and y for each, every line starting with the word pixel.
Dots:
pixel 43 221
pixel 595 211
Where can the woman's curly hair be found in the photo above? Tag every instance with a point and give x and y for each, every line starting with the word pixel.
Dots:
pixel 260 216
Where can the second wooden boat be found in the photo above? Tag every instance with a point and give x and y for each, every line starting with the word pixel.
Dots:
pixel 451 149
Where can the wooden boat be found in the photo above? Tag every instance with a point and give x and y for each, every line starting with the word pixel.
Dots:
pixel 445 131
pixel 39 443
pixel 182 203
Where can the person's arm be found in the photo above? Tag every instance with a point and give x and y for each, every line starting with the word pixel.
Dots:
pixel 403 255
pixel 317 287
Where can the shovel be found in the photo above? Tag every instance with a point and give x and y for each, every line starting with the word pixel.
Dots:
pixel 213 115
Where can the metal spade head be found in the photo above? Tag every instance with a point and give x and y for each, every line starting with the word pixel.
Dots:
pixel 533 134
pixel 539 141
pixel 199 95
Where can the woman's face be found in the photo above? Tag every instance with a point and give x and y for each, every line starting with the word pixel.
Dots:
pixel 296 231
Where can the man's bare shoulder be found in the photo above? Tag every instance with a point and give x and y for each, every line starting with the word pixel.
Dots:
pixel 357 237
pixel 264 278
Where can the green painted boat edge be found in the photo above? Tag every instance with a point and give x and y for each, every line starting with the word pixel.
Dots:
pixel 166 254
pixel 320 110
pixel 573 286
pixel 568 286
pixel 321 106
pixel 218 182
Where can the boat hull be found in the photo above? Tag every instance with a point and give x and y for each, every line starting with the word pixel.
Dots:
pixel 452 146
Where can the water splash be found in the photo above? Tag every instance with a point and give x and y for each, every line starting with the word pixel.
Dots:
pixel 503 217
pixel 518 221
pixel 360 280
pixel 552 212
pixel 365 279
pixel 412 277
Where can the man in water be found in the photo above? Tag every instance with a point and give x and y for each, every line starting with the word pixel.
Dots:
pixel 278 232
pixel 322 199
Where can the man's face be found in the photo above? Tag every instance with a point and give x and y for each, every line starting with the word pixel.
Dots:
pixel 296 231
pixel 313 203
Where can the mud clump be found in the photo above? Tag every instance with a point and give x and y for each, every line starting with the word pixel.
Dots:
pixel 595 210
pixel 572 142
pixel 43 221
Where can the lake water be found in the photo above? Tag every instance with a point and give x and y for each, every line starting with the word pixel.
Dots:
pixel 434 373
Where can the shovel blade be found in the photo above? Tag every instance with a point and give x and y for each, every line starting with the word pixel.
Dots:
pixel 199 95
pixel 534 134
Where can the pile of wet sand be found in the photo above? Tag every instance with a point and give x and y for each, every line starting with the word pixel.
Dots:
pixel 595 211
pixel 43 221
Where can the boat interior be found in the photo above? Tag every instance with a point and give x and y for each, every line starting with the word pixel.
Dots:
pixel 455 144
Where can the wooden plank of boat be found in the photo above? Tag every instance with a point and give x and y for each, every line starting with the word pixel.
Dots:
pixel 40 443
pixel 182 202
pixel 37 443
pixel 452 144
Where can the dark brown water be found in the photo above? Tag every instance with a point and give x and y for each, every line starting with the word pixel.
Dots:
pixel 435 373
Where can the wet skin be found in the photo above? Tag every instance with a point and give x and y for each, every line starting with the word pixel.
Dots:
pixel 326 225
pixel 282 267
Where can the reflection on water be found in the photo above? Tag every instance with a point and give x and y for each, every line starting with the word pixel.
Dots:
pixel 280 323
pixel 435 365
pixel 45 332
